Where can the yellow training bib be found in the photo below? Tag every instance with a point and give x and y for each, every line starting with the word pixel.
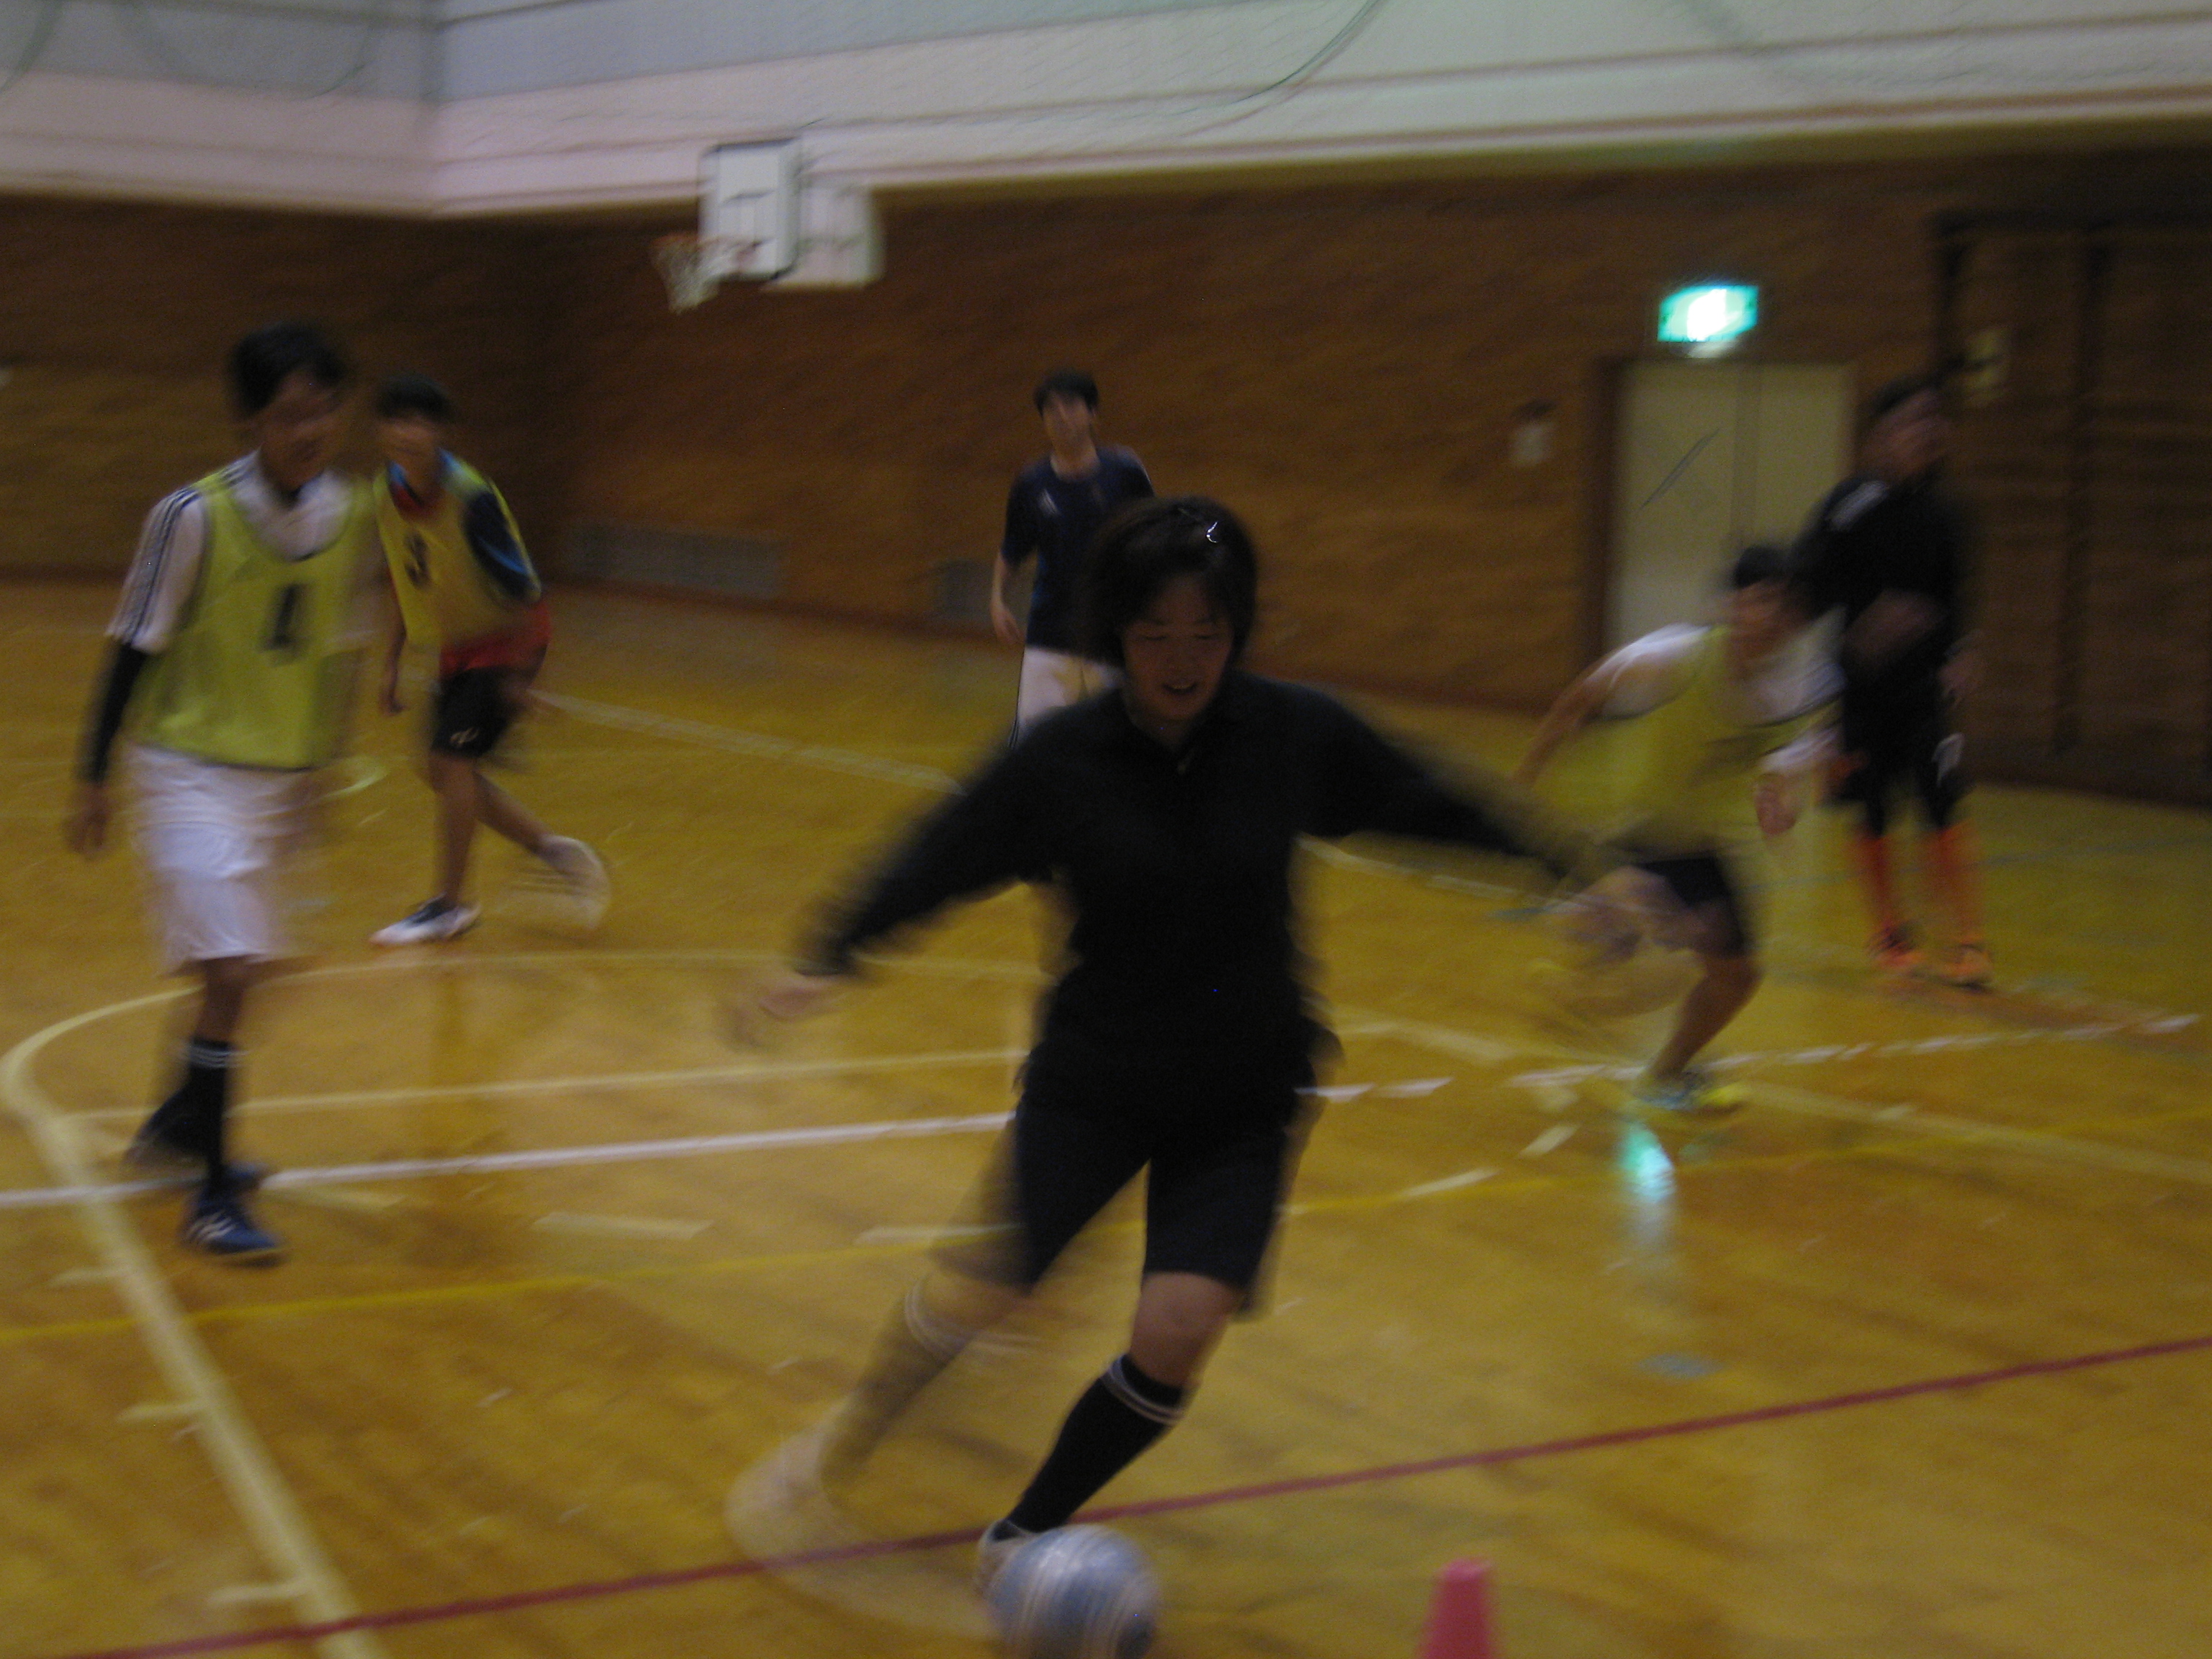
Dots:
pixel 261 669
pixel 445 597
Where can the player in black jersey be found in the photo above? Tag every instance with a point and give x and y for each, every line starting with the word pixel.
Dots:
pixel 1887 548
pixel 1056 507
pixel 1168 810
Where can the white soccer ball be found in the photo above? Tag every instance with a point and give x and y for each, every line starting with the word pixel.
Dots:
pixel 1076 1593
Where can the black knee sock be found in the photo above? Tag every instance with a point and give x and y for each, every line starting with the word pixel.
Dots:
pixel 192 1117
pixel 1117 1418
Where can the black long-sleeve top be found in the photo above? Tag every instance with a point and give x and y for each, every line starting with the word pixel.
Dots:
pixel 1868 537
pixel 1179 863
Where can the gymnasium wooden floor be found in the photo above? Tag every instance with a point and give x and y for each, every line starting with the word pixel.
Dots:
pixel 1913 1359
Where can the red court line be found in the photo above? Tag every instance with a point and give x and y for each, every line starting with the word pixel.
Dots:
pixel 478 1606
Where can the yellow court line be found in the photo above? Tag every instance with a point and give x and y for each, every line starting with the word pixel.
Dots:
pixel 1891 1136
pixel 479 1290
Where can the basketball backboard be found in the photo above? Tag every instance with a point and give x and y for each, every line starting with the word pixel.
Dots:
pixel 749 208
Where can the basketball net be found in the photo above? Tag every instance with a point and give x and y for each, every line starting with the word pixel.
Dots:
pixel 693 266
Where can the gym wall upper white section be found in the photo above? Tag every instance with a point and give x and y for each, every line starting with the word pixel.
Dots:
pixel 157 141
pixel 364 48
pixel 494 47
pixel 1205 86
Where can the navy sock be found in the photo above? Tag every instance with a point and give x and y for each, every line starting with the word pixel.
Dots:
pixel 193 1117
pixel 1117 1418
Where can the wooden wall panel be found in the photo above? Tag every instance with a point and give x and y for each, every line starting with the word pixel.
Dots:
pixel 2147 653
pixel 2090 466
pixel 2012 466
pixel 1343 366
pixel 115 318
pixel 1342 362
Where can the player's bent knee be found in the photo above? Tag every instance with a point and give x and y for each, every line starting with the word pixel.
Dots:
pixel 1180 1318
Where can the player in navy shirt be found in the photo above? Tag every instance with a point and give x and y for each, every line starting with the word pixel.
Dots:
pixel 1053 511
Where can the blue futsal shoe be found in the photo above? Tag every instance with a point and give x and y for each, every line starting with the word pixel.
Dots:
pixel 219 1223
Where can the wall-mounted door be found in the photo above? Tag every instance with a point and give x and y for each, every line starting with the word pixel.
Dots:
pixel 1713 457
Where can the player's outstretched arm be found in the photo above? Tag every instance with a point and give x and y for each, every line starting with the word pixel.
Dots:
pixel 1369 784
pixel 779 999
pixel 973 844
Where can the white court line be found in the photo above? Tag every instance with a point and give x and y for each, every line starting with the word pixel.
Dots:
pixel 1550 1141
pixel 526 1085
pixel 1451 1183
pixel 1833 1053
pixel 1330 852
pixel 1911 1121
pixel 1896 1116
pixel 256 1487
pixel 544 1158
pixel 619 1226
pixel 757 743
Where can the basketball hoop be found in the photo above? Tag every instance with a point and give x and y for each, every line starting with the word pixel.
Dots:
pixel 694 266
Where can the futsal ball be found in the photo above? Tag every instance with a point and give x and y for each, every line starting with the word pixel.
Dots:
pixel 1076 1593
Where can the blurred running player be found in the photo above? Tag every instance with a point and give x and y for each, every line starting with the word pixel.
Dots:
pixel 1719 748
pixel 466 589
pixel 1887 548
pixel 235 664
pixel 1055 508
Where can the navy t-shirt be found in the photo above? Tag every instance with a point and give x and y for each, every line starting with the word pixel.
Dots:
pixel 1055 518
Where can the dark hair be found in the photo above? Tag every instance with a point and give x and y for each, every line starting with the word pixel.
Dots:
pixel 1065 383
pixel 262 362
pixel 1150 544
pixel 413 394
pixel 1895 394
pixel 1762 562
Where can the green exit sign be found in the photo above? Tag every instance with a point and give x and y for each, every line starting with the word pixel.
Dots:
pixel 1713 316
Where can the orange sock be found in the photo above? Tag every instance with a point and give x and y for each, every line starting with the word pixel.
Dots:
pixel 1953 869
pixel 1871 854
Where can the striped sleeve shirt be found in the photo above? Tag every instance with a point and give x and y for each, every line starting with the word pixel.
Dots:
pixel 163 573
pixel 167 566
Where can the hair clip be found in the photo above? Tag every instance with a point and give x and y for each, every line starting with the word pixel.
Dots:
pixel 1196 515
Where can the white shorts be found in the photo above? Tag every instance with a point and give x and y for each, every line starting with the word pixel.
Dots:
pixel 1053 679
pixel 217 839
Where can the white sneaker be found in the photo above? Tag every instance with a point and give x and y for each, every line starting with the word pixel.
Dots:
pixel 994 1549
pixel 580 868
pixel 432 922
pixel 1693 1094
pixel 779 1506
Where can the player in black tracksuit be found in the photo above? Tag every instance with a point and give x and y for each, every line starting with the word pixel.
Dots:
pixel 1168 810
pixel 1887 549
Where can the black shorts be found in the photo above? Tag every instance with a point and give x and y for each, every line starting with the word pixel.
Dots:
pixel 471 711
pixel 1219 1150
pixel 1895 744
pixel 1703 886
